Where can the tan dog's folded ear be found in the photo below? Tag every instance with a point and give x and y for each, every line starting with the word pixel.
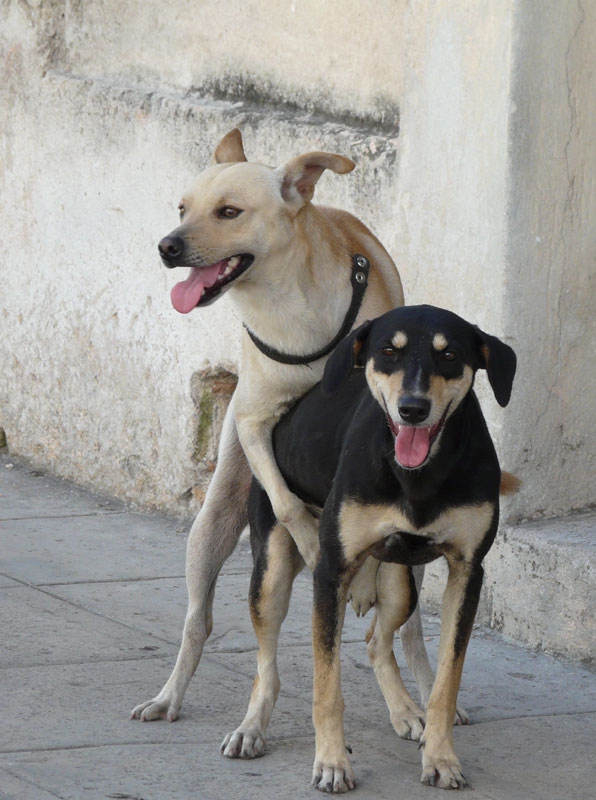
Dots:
pixel 230 149
pixel 302 173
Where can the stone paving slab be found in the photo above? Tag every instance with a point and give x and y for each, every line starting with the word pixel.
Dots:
pixel 386 767
pixel 39 629
pixel 118 546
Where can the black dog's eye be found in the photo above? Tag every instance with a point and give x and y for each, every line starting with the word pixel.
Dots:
pixel 229 212
pixel 390 351
pixel 449 355
pixel 181 210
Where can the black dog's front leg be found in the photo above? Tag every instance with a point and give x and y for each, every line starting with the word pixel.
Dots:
pixel 332 771
pixel 440 765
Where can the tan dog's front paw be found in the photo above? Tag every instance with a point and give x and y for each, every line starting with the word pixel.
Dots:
pixel 444 773
pixel 408 724
pixel 303 528
pixel 363 588
pixel 335 777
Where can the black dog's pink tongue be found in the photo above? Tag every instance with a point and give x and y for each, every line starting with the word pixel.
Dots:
pixel 186 295
pixel 412 446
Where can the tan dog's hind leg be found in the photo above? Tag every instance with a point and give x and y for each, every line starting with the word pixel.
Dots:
pixel 212 539
pixel 393 607
pixel 440 765
pixel 412 640
pixel 269 603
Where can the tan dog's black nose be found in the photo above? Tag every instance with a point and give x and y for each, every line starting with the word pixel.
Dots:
pixel 414 409
pixel 170 248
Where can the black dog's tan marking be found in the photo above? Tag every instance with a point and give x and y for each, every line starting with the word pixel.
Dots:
pixel 399 458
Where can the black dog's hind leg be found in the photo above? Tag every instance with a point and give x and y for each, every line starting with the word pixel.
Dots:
pixel 276 564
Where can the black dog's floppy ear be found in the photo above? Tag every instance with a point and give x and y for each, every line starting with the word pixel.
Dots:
pixel 500 361
pixel 346 356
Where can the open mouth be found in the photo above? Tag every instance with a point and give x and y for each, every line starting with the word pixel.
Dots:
pixel 205 284
pixel 412 443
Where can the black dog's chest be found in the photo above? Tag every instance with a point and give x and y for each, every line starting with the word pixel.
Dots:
pixel 387 532
pixel 407 548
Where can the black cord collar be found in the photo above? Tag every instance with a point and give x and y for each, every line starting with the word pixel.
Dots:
pixel 359 281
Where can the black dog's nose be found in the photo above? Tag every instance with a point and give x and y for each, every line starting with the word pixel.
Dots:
pixel 413 409
pixel 170 247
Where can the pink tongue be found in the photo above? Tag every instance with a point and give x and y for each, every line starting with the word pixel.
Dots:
pixel 412 446
pixel 186 295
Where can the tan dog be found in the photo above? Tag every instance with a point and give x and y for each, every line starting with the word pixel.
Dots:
pixel 291 270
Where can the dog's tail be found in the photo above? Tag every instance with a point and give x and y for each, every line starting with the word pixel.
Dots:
pixel 510 483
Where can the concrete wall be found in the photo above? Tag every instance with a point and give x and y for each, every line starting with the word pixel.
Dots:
pixel 550 289
pixel 472 125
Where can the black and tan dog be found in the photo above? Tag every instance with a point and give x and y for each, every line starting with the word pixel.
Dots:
pixel 399 458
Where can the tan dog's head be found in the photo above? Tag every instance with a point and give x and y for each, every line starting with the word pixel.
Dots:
pixel 239 215
pixel 420 363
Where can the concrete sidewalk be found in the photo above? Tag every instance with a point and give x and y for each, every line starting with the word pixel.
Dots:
pixel 92 601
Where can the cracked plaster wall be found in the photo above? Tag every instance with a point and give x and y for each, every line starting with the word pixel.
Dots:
pixel 550 289
pixel 472 127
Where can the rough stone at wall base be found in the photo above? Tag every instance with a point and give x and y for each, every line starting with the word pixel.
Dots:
pixel 211 390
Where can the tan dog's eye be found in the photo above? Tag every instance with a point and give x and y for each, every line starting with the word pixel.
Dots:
pixel 229 212
pixel 181 210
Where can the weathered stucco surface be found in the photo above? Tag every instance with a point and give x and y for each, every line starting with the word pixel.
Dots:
pixel 550 288
pixel 472 125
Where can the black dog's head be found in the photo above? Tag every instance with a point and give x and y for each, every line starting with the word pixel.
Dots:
pixel 420 363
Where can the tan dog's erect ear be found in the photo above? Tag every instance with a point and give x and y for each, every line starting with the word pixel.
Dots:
pixel 230 149
pixel 301 174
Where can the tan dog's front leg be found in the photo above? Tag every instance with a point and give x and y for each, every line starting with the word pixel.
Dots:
pixel 440 765
pixel 363 589
pixel 412 640
pixel 332 771
pixel 290 511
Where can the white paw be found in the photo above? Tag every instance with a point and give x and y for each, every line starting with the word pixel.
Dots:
pixel 409 725
pixel 336 778
pixel 304 530
pixel 362 602
pixel 444 773
pixel 156 709
pixel 363 588
pixel 243 744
